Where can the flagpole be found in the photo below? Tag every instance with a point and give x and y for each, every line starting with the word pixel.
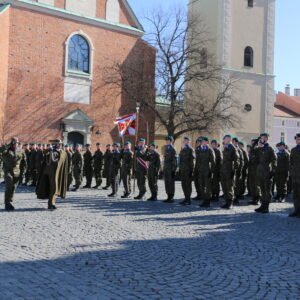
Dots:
pixel 148 134
pixel 136 140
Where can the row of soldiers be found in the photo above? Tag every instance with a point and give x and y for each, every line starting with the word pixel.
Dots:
pixel 233 168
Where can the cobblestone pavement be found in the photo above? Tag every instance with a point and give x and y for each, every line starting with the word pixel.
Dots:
pixel 93 247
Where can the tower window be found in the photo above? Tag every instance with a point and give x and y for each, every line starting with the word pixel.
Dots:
pixel 250 3
pixel 248 57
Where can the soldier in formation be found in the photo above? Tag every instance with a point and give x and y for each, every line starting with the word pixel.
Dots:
pixel 126 169
pixel 98 165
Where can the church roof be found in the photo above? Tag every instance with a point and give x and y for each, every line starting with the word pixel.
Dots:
pixel 288 104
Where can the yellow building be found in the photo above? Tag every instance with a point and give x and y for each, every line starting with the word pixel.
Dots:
pixel 242 41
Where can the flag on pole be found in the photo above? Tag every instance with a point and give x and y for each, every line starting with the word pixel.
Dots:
pixel 126 124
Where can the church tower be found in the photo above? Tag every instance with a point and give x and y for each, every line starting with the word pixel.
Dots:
pixel 242 41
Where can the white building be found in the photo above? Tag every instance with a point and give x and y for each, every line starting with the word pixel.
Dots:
pixel 286 121
pixel 242 33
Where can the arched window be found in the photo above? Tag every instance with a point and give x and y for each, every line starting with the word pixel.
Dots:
pixel 250 3
pixel 248 57
pixel 203 60
pixel 113 11
pixel 78 54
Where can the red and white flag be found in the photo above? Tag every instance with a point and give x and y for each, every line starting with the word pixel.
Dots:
pixel 126 124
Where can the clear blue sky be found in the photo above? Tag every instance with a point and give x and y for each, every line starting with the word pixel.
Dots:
pixel 287 58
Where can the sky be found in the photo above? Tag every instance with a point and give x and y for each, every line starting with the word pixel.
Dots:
pixel 287 44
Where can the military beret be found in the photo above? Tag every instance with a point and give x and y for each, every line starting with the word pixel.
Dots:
pixel 241 143
pixel 87 145
pixel 25 145
pixel 205 139
pixel 297 136
pixel 199 139
pixel 142 140
pixel 98 144
pixel 214 142
pixel 32 144
pixel 66 145
pixel 127 143
pixel 48 145
pixel 78 145
pixel 116 144
pixel 108 145
pixel 282 144
pixel 186 138
pixel 55 142
pixel 264 134
pixel 227 136
pixel 235 139
pixel 169 138
pixel 153 145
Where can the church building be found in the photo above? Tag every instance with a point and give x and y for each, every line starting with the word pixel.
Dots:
pixel 241 39
pixel 53 54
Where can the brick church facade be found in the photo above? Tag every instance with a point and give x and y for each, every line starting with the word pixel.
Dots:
pixel 52 54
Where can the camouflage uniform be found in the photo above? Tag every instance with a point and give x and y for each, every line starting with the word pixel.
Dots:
pixel 98 165
pixel 170 166
pixel 107 171
pixel 216 174
pixel 77 163
pixel 88 168
pixel 126 171
pixel 154 165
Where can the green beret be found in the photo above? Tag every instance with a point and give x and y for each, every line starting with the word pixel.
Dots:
pixel 127 143
pixel 116 144
pixel 142 140
pixel 227 136
pixel 87 145
pixel 214 142
pixel 78 145
pixel 98 144
pixel 186 138
pixel 264 134
pixel 66 145
pixel 235 139
pixel 153 145
pixel 170 138
pixel 204 138
pixel 297 136
pixel 108 145
pixel 199 139
pixel 241 143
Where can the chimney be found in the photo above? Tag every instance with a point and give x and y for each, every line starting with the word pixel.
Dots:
pixel 288 90
pixel 297 92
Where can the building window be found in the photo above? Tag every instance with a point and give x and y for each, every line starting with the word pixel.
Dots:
pixel 250 3
pixel 248 57
pixel 113 11
pixel 79 54
pixel 298 124
pixel 283 123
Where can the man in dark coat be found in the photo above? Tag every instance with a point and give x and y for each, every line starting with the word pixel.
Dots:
pixel 77 165
pixel 239 175
pixel 282 172
pixel 186 169
pixel 107 162
pixel 69 152
pixel 295 174
pixel 32 164
pixel 196 173
pixel 88 166
pixel 170 167
pixel 98 165
pixel 53 180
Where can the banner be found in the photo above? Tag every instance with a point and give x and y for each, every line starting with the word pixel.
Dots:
pixel 126 124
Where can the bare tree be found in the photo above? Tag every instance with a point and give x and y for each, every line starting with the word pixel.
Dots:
pixel 197 95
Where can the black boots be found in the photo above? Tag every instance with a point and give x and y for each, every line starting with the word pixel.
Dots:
pixel 139 197
pixel 152 198
pixel 51 207
pixel 126 195
pixel 263 209
pixel 9 207
pixel 227 205
pixel 295 214
pixel 186 202
pixel 170 199
pixel 205 204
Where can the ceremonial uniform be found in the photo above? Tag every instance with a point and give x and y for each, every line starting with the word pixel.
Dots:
pixel 88 168
pixel 14 164
pixel 98 166
pixel 186 168
pixel 230 165
pixel 27 172
pixel 39 158
pixel 70 168
pixel 238 184
pixel 77 164
pixel 126 171
pixel 282 174
pixel 154 166
pixel 170 166
pixel 204 167
pixel 243 182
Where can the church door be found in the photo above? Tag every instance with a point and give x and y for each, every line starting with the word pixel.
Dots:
pixel 75 138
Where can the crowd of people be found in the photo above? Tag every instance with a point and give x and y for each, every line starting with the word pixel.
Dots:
pixel 234 168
